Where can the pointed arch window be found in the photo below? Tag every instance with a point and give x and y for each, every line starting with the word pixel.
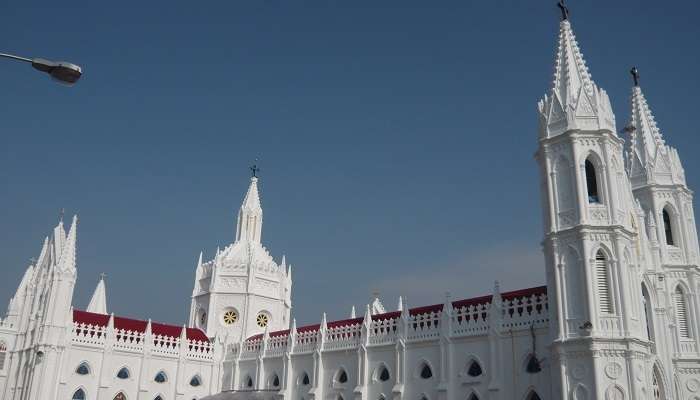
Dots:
pixel 533 396
pixel 668 228
pixel 473 396
pixel 83 369
pixel 383 374
pixel 342 376
pixel 305 379
pixel 123 373
pixel 474 369
pixel 603 283
pixel 120 396
pixel 656 389
pixel 249 382
pixel 591 183
pixel 681 313
pixel 533 365
pixel 424 397
pixel 195 381
pixel 161 377
pixel 275 381
pixel 646 303
pixel 425 371
pixel 3 355
pixel 159 397
pixel 78 395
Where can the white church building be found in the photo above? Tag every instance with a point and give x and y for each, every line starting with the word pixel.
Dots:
pixel 617 318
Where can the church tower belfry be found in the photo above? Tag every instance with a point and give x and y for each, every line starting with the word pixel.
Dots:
pixel 242 291
pixel 590 224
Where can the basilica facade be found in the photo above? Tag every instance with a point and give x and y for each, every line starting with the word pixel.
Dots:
pixel 617 317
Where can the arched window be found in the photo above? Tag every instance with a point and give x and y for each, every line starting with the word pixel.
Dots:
pixel 83 369
pixel 123 373
pixel 474 369
pixel 275 381
pixel 78 395
pixel 161 377
pixel 195 381
pixel 473 396
pixel 249 382
pixel 533 396
pixel 668 231
pixel 383 374
pixel 681 313
pixel 120 396
pixel 533 365
pixel 381 397
pixel 425 371
pixel 423 397
pixel 646 303
pixel 591 183
pixel 159 397
pixel 603 283
pixel 3 354
pixel 656 388
pixel 342 376
pixel 305 379
pixel 340 397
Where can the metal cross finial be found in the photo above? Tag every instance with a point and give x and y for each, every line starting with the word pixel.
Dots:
pixel 32 260
pixel 564 10
pixel 61 213
pixel 635 75
pixel 102 276
pixel 254 169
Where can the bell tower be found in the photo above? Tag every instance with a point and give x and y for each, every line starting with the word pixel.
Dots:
pixel 590 224
pixel 242 291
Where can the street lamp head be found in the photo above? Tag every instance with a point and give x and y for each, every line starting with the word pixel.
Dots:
pixel 61 71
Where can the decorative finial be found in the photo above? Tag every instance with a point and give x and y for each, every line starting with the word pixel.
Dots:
pixel 103 276
pixel 564 10
pixel 32 260
pixel 635 75
pixel 61 213
pixel 254 169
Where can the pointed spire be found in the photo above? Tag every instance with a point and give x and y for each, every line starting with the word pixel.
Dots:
pixel 250 215
pixel 353 314
pixel 67 259
pixel 293 327
pixel 183 335
pixel 400 307
pixel 367 320
pixel 324 322
pixel 98 302
pixel 574 101
pixel 199 261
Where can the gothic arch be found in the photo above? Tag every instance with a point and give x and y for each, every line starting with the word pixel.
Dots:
pixel 341 376
pixel 273 380
pixel 303 379
pixel 648 313
pixel 196 380
pixel 381 373
pixel 3 354
pixel 247 382
pixel 603 274
pixel 609 255
pixel 579 392
pixel 531 394
pixel 659 392
pixel 83 368
pixel 473 395
pixel 158 397
pixel 123 372
pixel 161 377
pixel 423 396
pixel 473 367
pixel 681 306
pixel 119 396
pixel 79 394
pixel 593 168
pixel 670 222
pixel 424 369
pixel 615 392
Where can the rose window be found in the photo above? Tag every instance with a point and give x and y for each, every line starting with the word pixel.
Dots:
pixel 262 320
pixel 230 317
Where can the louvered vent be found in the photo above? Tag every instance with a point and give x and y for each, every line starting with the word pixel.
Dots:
pixel 603 282
pixel 681 313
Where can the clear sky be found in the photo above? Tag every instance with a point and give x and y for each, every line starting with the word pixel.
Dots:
pixel 396 138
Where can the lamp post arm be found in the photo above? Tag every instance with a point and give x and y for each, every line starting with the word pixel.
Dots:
pixel 29 60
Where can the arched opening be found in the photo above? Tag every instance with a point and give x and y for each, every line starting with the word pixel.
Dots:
pixel 533 396
pixel 83 369
pixel 340 397
pixel 159 397
pixel 79 395
pixel 195 381
pixel 533 365
pixel 3 355
pixel 668 228
pixel 648 316
pixel 274 381
pixel 474 369
pixel 341 376
pixel 161 377
pixel 423 396
pixel 425 371
pixel 473 396
pixel 656 385
pixel 603 283
pixel 123 373
pixel 591 183
pixel 681 313
pixel 248 382
pixel 305 379
pixel 120 396
pixel 382 373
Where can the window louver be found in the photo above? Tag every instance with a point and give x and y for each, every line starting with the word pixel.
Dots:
pixel 603 283
pixel 681 313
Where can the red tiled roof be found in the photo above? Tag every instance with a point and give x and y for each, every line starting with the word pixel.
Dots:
pixel 537 291
pixel 136 325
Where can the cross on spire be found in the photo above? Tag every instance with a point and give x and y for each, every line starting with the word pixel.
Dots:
pixel 102 276
pixel 254 169
pixel 564 10
pixel 61 213
pixel 635 75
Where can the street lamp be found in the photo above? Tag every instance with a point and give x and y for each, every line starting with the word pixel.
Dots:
pixel 61 71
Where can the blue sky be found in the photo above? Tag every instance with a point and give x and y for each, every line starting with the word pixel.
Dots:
pixel 396 138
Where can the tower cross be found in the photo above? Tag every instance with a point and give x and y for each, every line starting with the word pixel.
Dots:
pixel 635 75
pixel 254 169
pixel 102 276
pixel 564 10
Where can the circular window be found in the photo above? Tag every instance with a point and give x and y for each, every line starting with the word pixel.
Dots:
pixel 230 317
pixel 262 320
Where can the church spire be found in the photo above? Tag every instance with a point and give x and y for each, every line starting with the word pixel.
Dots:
pixel 98 302
pixel 574 101
pixel 250 215
pixel 647 152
